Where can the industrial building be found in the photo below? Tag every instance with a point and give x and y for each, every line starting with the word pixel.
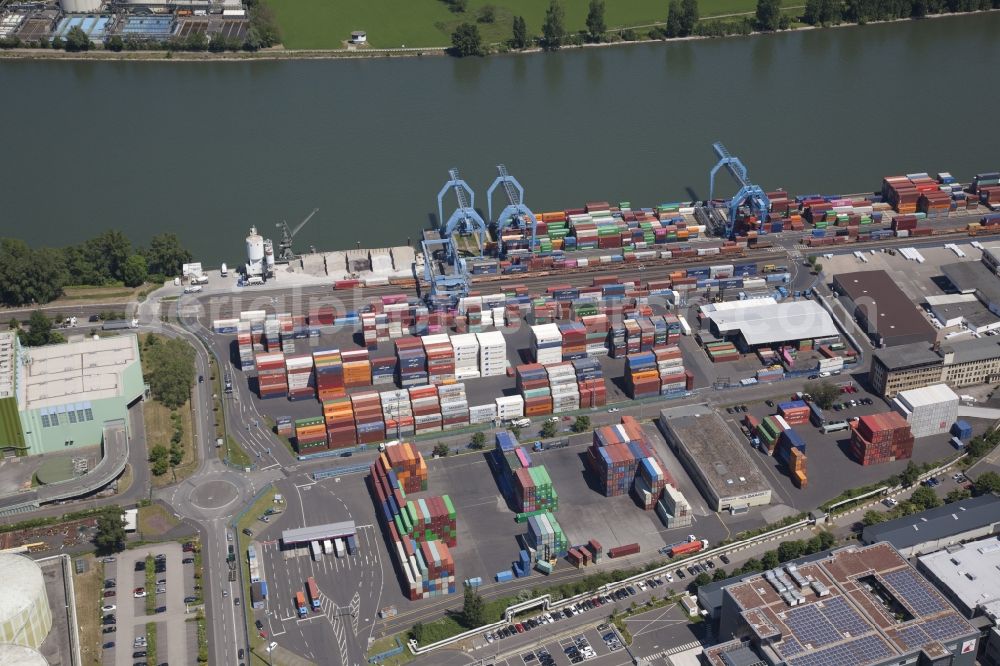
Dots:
pixel 715 459
pixel 25 616
pixel 854 606
pixel 962 310
pixel 882 310
pixel 759 322
pixel 967 575
pixel 59 396
pixel 960 363
pixel 934 529
pixel 930 410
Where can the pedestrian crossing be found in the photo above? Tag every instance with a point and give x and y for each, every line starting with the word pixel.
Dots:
pixel 674 650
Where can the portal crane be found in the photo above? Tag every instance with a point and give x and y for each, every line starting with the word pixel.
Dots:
pixel 750 197
pixel 285 253
pixel 465 221
pixel 516 214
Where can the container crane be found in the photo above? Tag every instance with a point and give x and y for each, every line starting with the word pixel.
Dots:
pixel 465 221
pixel 285 253
pixel 750 197
pixel 516 214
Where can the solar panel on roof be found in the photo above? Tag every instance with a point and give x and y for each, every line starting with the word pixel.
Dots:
pixel 843 617
pixel 866 650
pixel 913 593
pixel 913 637
pixel 809 626
pixel 945 628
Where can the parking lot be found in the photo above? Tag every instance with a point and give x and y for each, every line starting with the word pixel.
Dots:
pixel 125 607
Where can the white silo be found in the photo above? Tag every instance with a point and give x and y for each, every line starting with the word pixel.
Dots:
pixel 255 253
pixel 18 655
pixel 80 6
pixel 269 256
pixel 25 616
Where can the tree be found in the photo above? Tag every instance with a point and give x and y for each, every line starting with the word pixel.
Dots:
pixel 466 41
pixel 827 540
pixel 110 531
pixel 596 26
pixel 519 39
pixel 925 498
pixel 873 517
pixel 719 574
pixel 77 40
pixel 218 43
pixel 478 441
pixel 134 270
pixel 554 28
pixel 57 43
pixel 673 28
pixel 750 566
pixel 473 609
pixel 988 482
pixel 689 16
pixel 817 268
pixel 115 43
pixel 457 6
pixel 165 255
pixel 910 475
pixel 29 275
pixel 169 371
pixel 768 18
pixel 957 495
pixel 39 331
pixel 418 632
pixel 441 449
pixel 581 424
pixel 770 560
pixel 487 14
pixel 702 579
pixel 548 429
pixel 789 550
pixel 823 393
pixel 158 459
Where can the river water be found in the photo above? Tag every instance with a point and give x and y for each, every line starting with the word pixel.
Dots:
pixel 206 150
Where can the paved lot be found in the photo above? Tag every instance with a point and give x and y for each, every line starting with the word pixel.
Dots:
pixel 176 639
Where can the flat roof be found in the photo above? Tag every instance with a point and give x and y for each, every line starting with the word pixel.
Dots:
pixel 974 277
pixel 913 355
pixel 714 448
pixel 939 523
pixel 851 624
pixel 760 322
pixel 966 306
pixel 928 395
pixel 318 532
pixel 884 304
pixel 85 370
pixel 974 349
pixel 968 570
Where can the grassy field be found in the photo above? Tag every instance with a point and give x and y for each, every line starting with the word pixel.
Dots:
pixel 325 24
pixel 88 588
pixel 159 430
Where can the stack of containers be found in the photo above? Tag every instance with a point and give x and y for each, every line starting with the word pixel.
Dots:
pixel 329 374
pixel 426 409
pixel 791 452
pixel 770 430
pixel 466 348
pixel 430 519
pixel 510 407
pixel 546 537
pixel 649 483
pixel 383 365
pixel 674 509
pixel 357 368
pixel 283 426
pixel 533 490
pixel 301 381
pixel 590 382
pixel 492 354
pixel 396 413
pixel 563 387
pixel 440 358
pixel 310 435
pixel 406 464
pixel 368 421
pixel 795 412
pixel 642 380
pixel 879 438
pixel 614 466
pixel 596 327
pixel 482 413
pixel 340 429
pixel 574 340
pixel 286 329
pixel 533 383
pixel 374 328
pixel 454 406
pixel 411 362
pixel 546 344
pixel 670 368
pixel 271 379
pixel 272 334
pixel 617 346
pixel 244 344
pixel 721 352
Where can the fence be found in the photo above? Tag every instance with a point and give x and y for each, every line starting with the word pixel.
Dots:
pixel 340 471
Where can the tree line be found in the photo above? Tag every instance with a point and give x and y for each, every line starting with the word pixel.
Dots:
pixel 38 275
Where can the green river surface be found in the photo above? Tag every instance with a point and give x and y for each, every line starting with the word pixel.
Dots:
pixel 208 149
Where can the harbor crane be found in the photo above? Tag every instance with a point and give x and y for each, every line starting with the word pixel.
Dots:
pixel 444 269
pixel 750 198
pixel 285 253
pixel 516 214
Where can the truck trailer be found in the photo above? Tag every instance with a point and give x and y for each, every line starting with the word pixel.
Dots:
pixel 300 604
pixel 313 591
pixel 688 548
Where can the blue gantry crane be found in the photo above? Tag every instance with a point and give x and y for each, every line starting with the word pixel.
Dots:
pixel 516 214
pixel 444 268
pixel 750 197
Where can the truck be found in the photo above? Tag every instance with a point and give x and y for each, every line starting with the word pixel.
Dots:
pixel 328 547
pixel 816 415
pixel 119 324
pixel 835 426
pixel 224 270
pixel 520 423
pixel 339 545
pixel 199 279
pixel 314 547
pixel 192 289
pixel 254 280
pixel 300 603
pixel 313 591
pixel 688 548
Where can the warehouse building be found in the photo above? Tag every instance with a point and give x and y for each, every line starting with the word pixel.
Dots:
pixel 882 310
pixel 716 460
pixel 967 576
pixel 854 606
pixel 962 310
pixel 958 364
pixel 60 396
pixel 763 322
pixel 934 529
pixel 930 410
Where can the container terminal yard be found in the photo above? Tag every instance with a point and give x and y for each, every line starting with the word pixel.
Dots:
pixel 689 335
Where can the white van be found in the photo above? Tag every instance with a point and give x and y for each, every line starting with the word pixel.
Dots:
pixel 192 289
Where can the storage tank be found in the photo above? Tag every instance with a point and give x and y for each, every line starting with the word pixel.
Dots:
pixel 269 256
pixel 80 6
pixel 255 252
pixel 21 656
pixel 25 616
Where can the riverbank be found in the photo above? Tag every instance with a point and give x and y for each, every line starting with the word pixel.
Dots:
pixel 279 53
